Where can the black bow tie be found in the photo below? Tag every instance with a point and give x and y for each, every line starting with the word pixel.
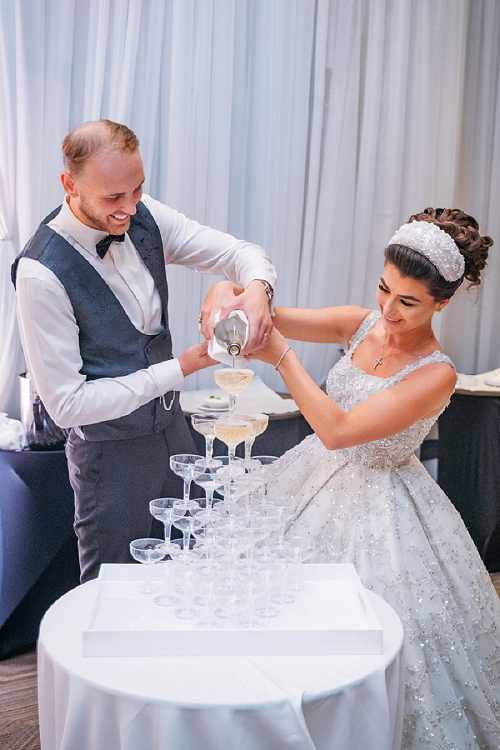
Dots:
pixel 102 247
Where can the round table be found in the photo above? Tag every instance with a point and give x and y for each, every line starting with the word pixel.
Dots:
pixel 214 703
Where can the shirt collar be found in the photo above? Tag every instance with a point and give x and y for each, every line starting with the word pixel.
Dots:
pixel 84 235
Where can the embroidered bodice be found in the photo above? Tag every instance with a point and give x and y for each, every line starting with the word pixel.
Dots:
pixel 347 385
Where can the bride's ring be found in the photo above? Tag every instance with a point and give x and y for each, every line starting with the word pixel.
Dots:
pixel 266 334
pixel 200 320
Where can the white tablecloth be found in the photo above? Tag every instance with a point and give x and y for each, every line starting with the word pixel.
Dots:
pixel 213 703
pixel 258 397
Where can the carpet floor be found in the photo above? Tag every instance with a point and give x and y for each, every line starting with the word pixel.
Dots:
pixel 18 698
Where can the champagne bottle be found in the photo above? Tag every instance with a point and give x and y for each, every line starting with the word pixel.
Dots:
pixel 232 333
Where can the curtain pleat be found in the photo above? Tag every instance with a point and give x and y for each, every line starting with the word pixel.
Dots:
pixel 312 127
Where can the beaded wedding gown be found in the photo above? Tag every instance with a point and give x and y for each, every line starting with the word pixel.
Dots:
pixel 375 506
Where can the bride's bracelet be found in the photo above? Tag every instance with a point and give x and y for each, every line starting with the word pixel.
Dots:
pixel 280 360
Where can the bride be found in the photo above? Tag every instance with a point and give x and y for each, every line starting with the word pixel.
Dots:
pixel 358 488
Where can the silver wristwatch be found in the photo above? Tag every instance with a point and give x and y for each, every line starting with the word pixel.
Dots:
pixel 268 288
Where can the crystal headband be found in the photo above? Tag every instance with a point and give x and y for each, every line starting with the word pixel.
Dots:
pixel 435 244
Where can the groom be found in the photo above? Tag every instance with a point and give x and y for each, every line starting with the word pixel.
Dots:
pixel 93 316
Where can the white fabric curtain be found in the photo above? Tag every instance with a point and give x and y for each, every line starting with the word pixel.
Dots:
pixel 10 347
pixel 313 127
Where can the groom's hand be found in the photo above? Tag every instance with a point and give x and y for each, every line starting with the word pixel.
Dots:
pixel 226 297
pixel 219 295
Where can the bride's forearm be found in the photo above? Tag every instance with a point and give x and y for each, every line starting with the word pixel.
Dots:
pixel 327 325
pixel 326 418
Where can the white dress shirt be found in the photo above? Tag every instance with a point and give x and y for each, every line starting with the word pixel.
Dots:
pixel 49 331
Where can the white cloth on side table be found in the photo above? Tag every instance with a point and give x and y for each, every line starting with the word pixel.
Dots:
pixel 213 703
pixel 487 383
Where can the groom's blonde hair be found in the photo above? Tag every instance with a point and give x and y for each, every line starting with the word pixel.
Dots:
pixel 92 138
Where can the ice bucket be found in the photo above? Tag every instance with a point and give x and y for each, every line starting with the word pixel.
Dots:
pixel 42 432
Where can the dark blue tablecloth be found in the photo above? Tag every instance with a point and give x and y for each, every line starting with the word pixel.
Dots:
pixel 38 552
pixel 469 468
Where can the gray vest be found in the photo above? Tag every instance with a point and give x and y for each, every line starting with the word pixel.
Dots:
pixel 110 345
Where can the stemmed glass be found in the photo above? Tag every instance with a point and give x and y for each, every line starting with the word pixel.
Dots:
pixel 205 540
pixel 269 569
pixel 147 551
pixel 181 573
pixel 163 509
pixel 182 464
pixel 267 469
pixel 232 430
pixel 204 424
pixel 233 381
pixel 233 596
pixel 282 596
pixel 208 480
pixel 231 480
pixel 203 586
pixel 281 504
pixel 272 517
pixel 257 529
pixel 258 425
pixel 183 522
pixel 232 543
pixel 297 550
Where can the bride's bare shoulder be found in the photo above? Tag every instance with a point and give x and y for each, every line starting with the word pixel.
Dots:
pixel 435 382
pixel 349 319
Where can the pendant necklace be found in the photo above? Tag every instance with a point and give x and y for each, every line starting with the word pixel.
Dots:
pixel 378 361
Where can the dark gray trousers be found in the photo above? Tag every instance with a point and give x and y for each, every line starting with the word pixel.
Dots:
pixel 113 482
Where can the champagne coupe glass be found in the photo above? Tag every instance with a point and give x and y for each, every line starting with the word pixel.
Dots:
pixel 258 425
pixel 183 522
pixel 167 598
pixel 205 539
pixel 258 530
pixel 204 424
pixel 182 572
pixel 163 509
pixel 228 476
pixel 281 504
pixel 228 486
pixel 233 381
pixel 233 544
pixel 232 430
pixel 186 505
pixel 267 469
pixel 182 464
pixel 233 596
pixel 207 479
pixel 272 517
pixel 147 551
pixel 231 470
pixel 246 486
pixel 250 620
pixel 203 587
pixel 297 550
pixel 269 570
pixel 282 596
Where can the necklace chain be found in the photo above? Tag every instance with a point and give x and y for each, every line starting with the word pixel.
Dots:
pixel 378 361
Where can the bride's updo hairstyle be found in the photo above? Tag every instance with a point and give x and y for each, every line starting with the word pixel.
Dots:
pixel 464 230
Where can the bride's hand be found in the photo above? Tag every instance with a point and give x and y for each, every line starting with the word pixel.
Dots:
pixel 273 350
